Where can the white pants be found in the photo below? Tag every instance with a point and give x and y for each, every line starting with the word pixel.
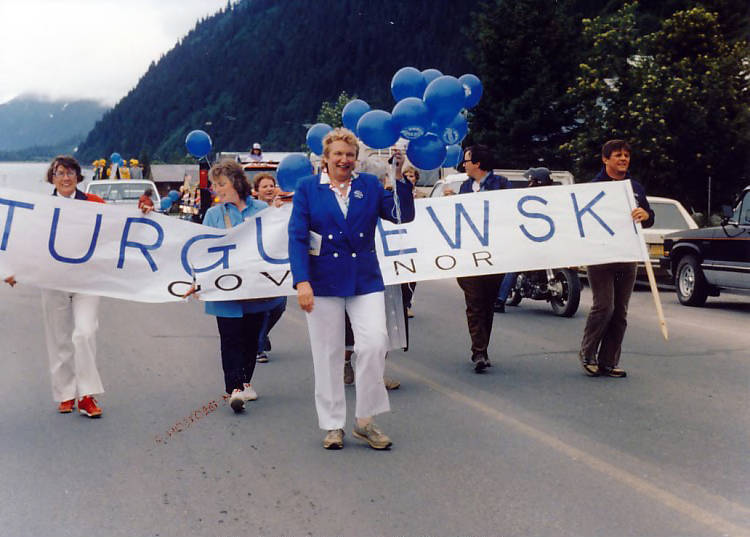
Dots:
pixel 326 326
pixel 70 323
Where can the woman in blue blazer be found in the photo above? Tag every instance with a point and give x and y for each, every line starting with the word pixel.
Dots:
pixel 335 270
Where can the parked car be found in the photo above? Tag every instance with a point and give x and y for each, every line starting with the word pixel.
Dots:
pixel 705 261
pixel 669 216
pixel 123 191
pixel 516 178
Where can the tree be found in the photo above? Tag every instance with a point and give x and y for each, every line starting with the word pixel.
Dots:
pixel 330 113
pixel 680 95
pixel 525 52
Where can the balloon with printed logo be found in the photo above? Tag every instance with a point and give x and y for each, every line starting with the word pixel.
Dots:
pixel 377 129
pixel 198 143
pixel 351 113
pixel 427 152
pixel 291 169
pixel 444 97
pixel 407 82
pixel 453 154
pixel 315 135
pixel 472 89
pixel 455 131
pixel 430 75
pixel 412 118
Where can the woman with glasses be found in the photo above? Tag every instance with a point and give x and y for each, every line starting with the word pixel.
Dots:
pixel 71 319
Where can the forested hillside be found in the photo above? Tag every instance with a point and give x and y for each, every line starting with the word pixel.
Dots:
pixel 260 69
pixel 30 122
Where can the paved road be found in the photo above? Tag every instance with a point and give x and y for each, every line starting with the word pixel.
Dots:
pixel 531 448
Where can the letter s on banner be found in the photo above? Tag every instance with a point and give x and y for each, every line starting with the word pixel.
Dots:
pixel 541 216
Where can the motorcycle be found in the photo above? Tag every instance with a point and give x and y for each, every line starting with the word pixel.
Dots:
pixel 560 287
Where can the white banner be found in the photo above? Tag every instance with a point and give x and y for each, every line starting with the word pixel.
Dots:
pixel 116 251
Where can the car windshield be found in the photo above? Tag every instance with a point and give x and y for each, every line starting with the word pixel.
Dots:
pixel 125 191
pixel 667 216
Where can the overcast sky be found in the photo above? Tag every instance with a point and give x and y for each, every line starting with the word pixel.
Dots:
pixel 95 49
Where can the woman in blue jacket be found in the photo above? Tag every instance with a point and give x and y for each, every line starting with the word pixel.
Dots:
pixel 239 321
pixel 335 270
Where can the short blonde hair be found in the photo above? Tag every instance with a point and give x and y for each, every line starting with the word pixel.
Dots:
pixel 340 134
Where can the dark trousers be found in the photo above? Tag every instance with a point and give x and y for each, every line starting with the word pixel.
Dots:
pixel 270 318
pixel 239 347
pixel 480 293
pixel 611 287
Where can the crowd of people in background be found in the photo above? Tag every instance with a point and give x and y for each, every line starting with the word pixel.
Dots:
pixel 353 319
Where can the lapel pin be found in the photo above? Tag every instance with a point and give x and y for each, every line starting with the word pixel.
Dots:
pixel 358 194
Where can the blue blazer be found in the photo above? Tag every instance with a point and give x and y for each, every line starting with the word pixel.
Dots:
pixel 347 264
pixel 492 182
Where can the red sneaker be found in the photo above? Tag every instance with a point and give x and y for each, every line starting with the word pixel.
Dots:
pixel 88 407
pixel 66 407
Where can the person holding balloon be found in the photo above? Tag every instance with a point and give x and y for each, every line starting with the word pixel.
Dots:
pixel 335 269
pixel 480 292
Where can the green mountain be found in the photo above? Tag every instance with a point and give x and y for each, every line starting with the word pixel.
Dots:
pixel 260 69
pixel 31 124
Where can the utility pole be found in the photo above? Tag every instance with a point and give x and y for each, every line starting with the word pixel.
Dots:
pixel 708 209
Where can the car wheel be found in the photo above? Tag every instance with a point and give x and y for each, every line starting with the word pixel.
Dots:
pixel 690 283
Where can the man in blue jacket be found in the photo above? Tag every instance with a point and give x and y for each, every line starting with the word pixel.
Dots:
pixel 612 283
pixel 480 292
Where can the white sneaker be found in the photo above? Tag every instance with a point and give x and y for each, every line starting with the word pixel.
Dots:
pixel 237 400
pixel 249 394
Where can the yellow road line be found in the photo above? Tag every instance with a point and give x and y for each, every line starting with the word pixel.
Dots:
pixel 636 483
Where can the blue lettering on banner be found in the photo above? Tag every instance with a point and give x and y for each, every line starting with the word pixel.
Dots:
pixel 484 238
pixel 53 235
pixel 223 260
pixel 144 248
pixel 587 209
pixel 386 250
pixel 262 251
pixel 12 204
pixel 544 217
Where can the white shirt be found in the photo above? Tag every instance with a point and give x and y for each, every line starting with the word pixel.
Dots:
pixel 342 196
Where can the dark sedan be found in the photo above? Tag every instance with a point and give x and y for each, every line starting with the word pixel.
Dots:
pixel 705 261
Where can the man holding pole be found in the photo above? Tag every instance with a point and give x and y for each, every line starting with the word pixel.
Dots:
pixel 612 283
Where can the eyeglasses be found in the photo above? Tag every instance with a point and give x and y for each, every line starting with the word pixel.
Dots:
pixel 66 173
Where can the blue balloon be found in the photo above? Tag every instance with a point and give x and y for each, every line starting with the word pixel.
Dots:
pixel 377 129
pixel 198 143
pixel 453 154
pixel 427 152
pixel 430 75
pixel 165 203
pixel 472 89
pixel 407 82
pixel 455 131
pixel 174 195
pixel 315 135
pixel 444 97
pixel 412 118
pixel 352 112
pixel 291 169
pixel 115 158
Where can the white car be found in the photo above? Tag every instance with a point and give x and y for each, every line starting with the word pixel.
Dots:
pixel 123 191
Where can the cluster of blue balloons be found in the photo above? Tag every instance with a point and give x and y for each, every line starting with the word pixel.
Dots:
pixel 198 143
pixel 430 112
pixel 166 202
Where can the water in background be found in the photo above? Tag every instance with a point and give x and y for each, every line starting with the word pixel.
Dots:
pixel 32 176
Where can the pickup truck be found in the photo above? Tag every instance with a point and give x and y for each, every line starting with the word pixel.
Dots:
pixel 705 261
